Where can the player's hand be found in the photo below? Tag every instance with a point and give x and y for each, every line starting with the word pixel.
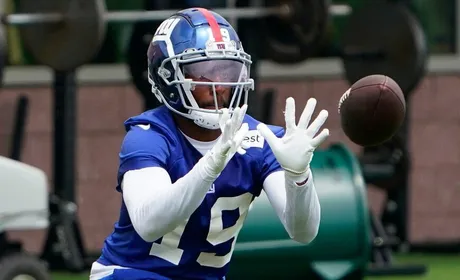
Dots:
pixel 294 151
pixel 233 133
pixel 230 126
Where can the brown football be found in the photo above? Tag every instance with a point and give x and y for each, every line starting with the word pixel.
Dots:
pixel 372 110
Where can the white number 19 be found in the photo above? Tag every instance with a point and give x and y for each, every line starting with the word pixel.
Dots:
pixel 169 249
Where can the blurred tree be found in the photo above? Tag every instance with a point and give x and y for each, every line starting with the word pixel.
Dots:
pixel 438 19
pixel 117 37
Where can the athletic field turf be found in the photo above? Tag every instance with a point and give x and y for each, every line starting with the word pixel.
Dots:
pixel 440 267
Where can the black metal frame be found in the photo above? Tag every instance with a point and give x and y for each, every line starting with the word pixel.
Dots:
pixel 17 139
pixel 388 167
pixel 382 263
pixel 64 246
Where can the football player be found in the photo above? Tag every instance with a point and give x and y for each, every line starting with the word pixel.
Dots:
pixel 190 169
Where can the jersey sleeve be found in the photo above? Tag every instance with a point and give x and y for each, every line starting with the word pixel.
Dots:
pixel 142 148
pixel 270 164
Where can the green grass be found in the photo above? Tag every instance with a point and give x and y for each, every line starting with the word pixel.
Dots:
pixel 440 267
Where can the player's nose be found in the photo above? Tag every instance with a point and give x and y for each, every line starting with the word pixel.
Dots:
pixel 220 89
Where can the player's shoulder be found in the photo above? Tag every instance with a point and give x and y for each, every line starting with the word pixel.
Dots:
pixel 152 126
pixel 158 120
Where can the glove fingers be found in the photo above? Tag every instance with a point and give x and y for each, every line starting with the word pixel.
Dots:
pixel 225 147
pixel 245 145
pixel 289 114
pixel 240 134
pixel 320 138
pixel 227 131
pixel 236 111
pixel 307 113
pixel 239 116
pixel 317 123
pixel 224 116
pixel 269 136
pixel 243 110
pixel 235 121
pixel 238 139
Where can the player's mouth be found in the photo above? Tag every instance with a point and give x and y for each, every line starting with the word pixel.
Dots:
pixel 213 107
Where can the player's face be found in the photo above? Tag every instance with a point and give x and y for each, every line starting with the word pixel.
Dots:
pixel 214 71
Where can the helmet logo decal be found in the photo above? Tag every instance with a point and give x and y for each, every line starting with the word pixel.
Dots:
pixel 166 27
pixel 164 32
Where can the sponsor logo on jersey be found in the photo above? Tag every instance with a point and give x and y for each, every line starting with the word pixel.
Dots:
pixel 253 139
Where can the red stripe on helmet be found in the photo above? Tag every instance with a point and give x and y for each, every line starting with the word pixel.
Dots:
pixel 215 29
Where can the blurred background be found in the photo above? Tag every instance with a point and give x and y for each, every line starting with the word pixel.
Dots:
pixel 70 125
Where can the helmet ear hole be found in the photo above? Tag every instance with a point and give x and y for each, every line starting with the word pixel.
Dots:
pixel 172 95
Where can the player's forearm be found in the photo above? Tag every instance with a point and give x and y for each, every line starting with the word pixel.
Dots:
pixel 302 212
pixel 156 206
pixel 297 206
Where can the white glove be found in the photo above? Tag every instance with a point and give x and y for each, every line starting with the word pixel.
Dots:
pixel 234 125
pixel 294 151
pixel 233 133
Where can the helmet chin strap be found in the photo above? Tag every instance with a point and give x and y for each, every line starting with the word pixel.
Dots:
pixel 206 120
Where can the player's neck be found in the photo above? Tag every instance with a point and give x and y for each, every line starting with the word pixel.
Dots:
pixel 189 128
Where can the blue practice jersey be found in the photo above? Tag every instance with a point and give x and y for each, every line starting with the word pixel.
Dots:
pixel 202 246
